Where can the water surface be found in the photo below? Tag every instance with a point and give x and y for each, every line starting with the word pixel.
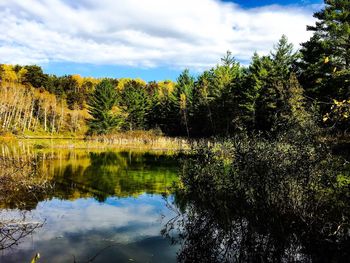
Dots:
pixel 104 206
pixel 108 206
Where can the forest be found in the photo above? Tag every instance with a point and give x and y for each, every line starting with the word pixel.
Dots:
pixel 286 88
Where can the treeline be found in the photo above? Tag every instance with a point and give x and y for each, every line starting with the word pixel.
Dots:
pixel 26 106
pixel 282 89
pixel 221 101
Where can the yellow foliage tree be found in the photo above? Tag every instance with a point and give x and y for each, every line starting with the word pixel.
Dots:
pixel 339 114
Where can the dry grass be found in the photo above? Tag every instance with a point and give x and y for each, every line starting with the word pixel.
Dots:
pixel 141 139
pixel 20 188
pixel 19 183
pixel 131 140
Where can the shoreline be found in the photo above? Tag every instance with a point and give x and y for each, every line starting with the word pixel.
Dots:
pixel 153 143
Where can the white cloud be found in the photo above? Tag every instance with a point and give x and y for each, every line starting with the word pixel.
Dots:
pixel 172 33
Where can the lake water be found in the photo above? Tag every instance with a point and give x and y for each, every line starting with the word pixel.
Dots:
pixel 122 206
pixel 104 207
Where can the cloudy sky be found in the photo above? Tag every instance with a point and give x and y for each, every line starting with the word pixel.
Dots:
pixel 151 39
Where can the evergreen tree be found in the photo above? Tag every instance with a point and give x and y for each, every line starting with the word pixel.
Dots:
pixel 166 109
pixel 202 119
pixel 183 97
pixel 333 27
pixel 325 67
pixel 254 80
pixel 101 107
pixel 35 76
pixel 225 82
pixel 283 57
pixel 313 72
pixel 136 103
pixel 272 98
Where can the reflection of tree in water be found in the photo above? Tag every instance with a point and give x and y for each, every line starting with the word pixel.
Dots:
pixel 23 184
pixel 268 205
pixel 117 174
pixel 101 174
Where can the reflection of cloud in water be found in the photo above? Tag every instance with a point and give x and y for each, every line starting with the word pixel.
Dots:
pixel 127 220
pixel 84 226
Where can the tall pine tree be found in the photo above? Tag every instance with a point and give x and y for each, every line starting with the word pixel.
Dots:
pixel 325 67
pixel 101 107
pixel 136 103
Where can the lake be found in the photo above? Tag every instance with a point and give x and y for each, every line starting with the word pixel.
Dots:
pixel 271 203
pixel 104 207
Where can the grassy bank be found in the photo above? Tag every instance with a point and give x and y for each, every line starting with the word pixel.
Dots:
pixel 135 141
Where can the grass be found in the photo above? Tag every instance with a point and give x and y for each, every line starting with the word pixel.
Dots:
pixel 136 140
pixel 141 139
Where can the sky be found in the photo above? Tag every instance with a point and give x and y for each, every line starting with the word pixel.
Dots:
pixel 151 39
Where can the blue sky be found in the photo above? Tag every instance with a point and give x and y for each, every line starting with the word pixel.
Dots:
pixel 152 40
pixel 116 71
pixel 256 3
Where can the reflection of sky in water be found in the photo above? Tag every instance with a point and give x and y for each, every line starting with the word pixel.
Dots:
pixel 131 226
